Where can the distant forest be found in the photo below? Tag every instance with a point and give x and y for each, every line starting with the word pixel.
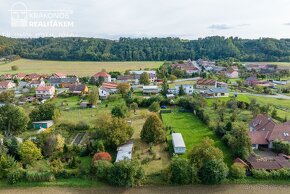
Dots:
pixel 147 49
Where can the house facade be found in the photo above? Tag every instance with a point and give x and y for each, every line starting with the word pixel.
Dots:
pixel 42 124
pixel 137 74
pixel 36 83
pixel 232 74
pixel 65 82
pixel 150 90
pixel 45 92
pixel 106 76
pixel 188 89
pixel 206 84
pixel 78 89
pixel 217 93
pixel 104 93
pixel 4 85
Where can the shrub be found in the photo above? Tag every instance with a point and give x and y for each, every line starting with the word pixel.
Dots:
pixel 281 147
pixel 74 162
pixel 102 156
pixel 56 166
pixel 275 174
pixel 213 172
pixel 29 152
pixel 238 171
pixel 101 168
pixel 119 111
pixel 126 173
pixel 39 176
pixel 82 126
pixel 15 175
pixel 154 107
pixel 14 67
pixel 182 172
pixel 6 164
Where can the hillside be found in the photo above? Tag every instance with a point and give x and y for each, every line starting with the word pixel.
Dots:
pixel 147 49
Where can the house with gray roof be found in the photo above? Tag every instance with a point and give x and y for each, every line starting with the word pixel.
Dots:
pixel 65 82
pixel 217 92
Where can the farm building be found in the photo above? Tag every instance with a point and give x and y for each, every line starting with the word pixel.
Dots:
pixel 42 124
pixel 178 143
pixel 150 90
pixel 125 152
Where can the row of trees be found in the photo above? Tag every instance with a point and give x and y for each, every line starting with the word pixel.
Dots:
pixel 147 49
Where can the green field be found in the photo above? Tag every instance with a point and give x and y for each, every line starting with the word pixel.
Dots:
pixel 193 131
pixel 80 68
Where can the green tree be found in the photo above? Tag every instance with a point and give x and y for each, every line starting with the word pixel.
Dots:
pixel 165 87
pixel 46 111
pixel 93 96
pixel 238 171
pixel 153 130
pixel 182 172
pixel 213 172
pixel 172 78
pixel 119 111
pixel 154 107
pixel 12 119
pixel 126 173
pixel 114 131
pixel 144 78
pixel 181 91
pixel 7 96
pixel 123 89
pixel 29 152
pixel 205 151
pixel 134 106
pixel 53 144
pixel 274 113
pixel 7 163
pixel 101 169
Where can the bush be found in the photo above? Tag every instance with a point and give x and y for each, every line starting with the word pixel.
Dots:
pixel 14 67
pixel 82 126
pixel 15 175
pixel 6 164
pixel 119 111
pixel 56 166
pixel 39 176
pixel 126 173
pixel 281 147
pixel 182 172
pixel 71 173
pixel 238 171
pixel 275 174
pixel 154 107
pixel 102 156
pixel 101 168
pixel 213 172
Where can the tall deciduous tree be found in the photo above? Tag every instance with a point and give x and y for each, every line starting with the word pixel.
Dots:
pixel 165 87
pixel 12 119
pixel 213 172
pixel 123 89
pixel 29 152
pixel 93 96
pixel 46 111
pixel 153 130
pixel 144 78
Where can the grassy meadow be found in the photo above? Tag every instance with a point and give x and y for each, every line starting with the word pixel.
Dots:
pixel 80 68
pixel 193 131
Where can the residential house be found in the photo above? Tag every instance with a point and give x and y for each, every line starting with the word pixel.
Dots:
pixel 107 77
pixel 251 80
pixel 104 93
pixel 188 66
pixel 58 75
pixel 78 89
pixel 216 92
pixel 206 84
pixel 178 143
pixel 150 90
pixel 188 89
pixel 7 76
pixel 42 124
pixel 232 73
pixel 20 76
pixel 268 163
pixel 45 92
pixel 263 130
pixel 112 87
pixel 36 83
pixel 32 77
pixel 137 74
pixel 65 82
pixel 7 85
pixel 124 152
pixel 131 79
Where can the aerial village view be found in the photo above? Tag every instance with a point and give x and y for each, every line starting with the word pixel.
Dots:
pixel 147 113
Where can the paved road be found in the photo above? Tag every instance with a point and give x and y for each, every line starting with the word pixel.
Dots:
pixel 278 96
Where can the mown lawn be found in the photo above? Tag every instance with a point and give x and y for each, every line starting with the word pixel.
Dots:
pixel 193 131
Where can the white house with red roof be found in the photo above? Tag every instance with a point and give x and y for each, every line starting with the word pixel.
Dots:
pixel 58 75
pixel 20 76
pixel 45 92
pixel 7 85
pixel 36 83
pixel 107 77
pixel 232 73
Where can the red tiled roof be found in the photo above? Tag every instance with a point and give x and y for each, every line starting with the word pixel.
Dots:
pixel 262 122
pixel 109 85
pixel 206 82
pixel 44 88
pixel 59 74
pixel 102 74
pixel 4 83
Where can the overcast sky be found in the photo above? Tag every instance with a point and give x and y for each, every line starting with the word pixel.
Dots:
pixel 190 19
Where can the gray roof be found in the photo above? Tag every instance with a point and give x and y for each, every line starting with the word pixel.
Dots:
pixel 54 80
pixel 125 152
pixel 177 140
pixel 218 90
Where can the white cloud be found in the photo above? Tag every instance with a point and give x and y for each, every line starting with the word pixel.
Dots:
pixel 181 18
